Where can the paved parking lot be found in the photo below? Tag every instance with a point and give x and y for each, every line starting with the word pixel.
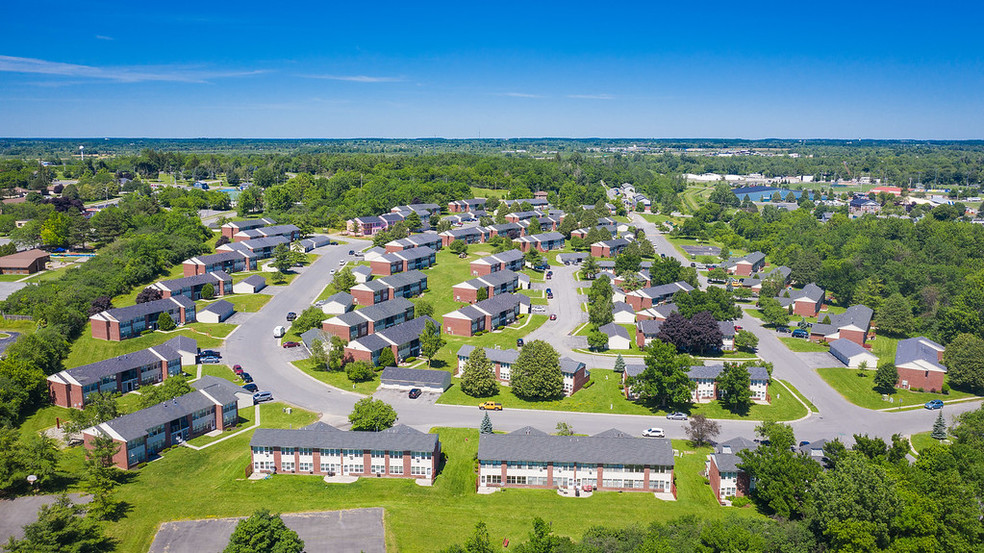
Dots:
pixel 353 531
pixel 16 513
pixel 819 360
pixel 392 395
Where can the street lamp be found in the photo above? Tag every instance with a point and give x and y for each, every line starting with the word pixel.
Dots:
pixel 31 479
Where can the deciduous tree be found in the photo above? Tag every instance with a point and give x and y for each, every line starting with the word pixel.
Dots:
pixel 477 378
pixel 372 414
pixel 964 360
pixel 664 381
pixel 264 532
pixel 701 430
pixel 536 374
pixel 734 384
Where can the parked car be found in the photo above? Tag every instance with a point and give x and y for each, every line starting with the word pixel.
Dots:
pixel 490 406
pixel 519 342
pixel 238 369
pixel 291 316
pixel 414 393
pixel 800 333
pixel 549 296
pixel 738 327
pixel 207 359
pixel 246 378
pixel 654 433
pixel 678 416
pixel 210 353
pixel 549 292
pixel 549 274
pixel 260 397
pixel 783 329
pixel 803 443
pixel 279 331
pixel 934 404
pixel 333 271
pixel 351 252
pixel 291 344
pixel 251 387
pixel 341 262
pixel 548 277
pixel 553 316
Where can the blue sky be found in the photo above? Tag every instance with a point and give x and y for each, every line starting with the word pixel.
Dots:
pixel 504 69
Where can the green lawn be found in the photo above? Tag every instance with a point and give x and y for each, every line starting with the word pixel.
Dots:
pixel 922 441
pixel 42 419
pixel 447 357
pixel 802 345
pixel 211 483
pixel 215 330
pixel 859 390
pixel 337 379
pixel 22 327
pixel 130 298
pixel 606 396
pixel 221 371
pixel 246 418
pixel 248 303
pixel 884 347
pixel 679 242
pixel 448 271
pixel 87 349
pixel 800 396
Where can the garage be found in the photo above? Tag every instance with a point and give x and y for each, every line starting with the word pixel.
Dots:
pixel 425 379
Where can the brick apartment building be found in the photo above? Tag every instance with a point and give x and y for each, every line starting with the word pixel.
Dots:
pixel 542 242
pixel 226 261
pixel 401 285
pixel 608 248
pixel 432 241
pixel 191 287
pixel 370 319
pixel 290 232
pixel 232 227
pixel 403 339
pixel 121 323
pixel 511 260
pixel 499 282
pixel 649 297
pixel 489 314
pixel 417 258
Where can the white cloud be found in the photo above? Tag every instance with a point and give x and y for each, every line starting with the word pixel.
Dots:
pixel 356 78
pixel 591 96
pixel 521 95
pixel 104 37
pixel 12 64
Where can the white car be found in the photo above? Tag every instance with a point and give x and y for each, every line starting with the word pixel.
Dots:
pixel 654 433
pixel 333 271
pixel 342 262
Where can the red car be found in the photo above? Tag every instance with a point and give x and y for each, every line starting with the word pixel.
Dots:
pixel 291 344
pixel 553 316
pixel 238 369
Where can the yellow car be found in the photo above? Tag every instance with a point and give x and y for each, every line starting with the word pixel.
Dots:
pixel 490 406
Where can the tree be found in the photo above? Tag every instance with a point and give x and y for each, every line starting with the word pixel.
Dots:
pixel 263 532
pixel 895 316
pixel 372 414
pixel 724 196
pixel 746 340
pixel 360 371
pixel 717 274
pixel 344 280
pixel 619 364
pixel 413 221
pixel 664 381
pixel 589 269
pixel 99 407
pixel 482 294
pixel 542 539
pixel 336 354
pixel 597 340
pixel 533 257
pixel 99 475
pixel 773 313
pixel 61 527
pixel 717 300
pixel 478 542
pixel 386 358
pixel 39 457
pixel 964 360
pixel 100 304
pixel 431 341
pixel 536 374
pixel 281 258
pixel 55 230
pixel 564 429
pixel 208 291
pixel 486 427
pixel 423 309
pixel 939 428
pixel 477 378
pixel 319 357
pixel 734 385
pixel 885 378
pixel 626 263
pixel 249 200
pixel 149 294
pixel 806 267
pixel 172 387
pixel 458 247
pixel 708 336
pixel 783 477
pixel 308 319
pixel 701 430
pixel 165 322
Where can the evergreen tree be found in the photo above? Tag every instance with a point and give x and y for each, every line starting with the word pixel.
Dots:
pixel 208 291
pixel 619 364
pixel 165 322
pixel 939 428
pixel 885 378
pixel 486 427
pixel 386 358
pixel 482 294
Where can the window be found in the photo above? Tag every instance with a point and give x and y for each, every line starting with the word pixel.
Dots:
pixel 377 468
pixel 492 479
pixel 377 454
pixel 612 483
pixel 354 468
pixel 305 467
pixel 287 466
pixel 331 452
pixel 304 451
pixel 518 480
pixel 329 467
pixel 286 451
pixel 396 468
pixel 421 455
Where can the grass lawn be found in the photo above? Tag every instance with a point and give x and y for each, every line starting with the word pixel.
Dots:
pixel 884 348
pixel 221 371
pixel 42 419
pixel 215 330
pixel 130 298
pixel 537 297
pixel 11 278
pixel 858 390
pixel 922 441
pixel 246 418
pixel 337 379
pixel 802 345
pixel 248 303
pixel 211 483
pixel 448 271
pixel 10 325
pixel 49 275
pixel 606 396
pixel 801 396
pixel 87 349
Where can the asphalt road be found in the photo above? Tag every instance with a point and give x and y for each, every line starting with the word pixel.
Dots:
pixel 254 347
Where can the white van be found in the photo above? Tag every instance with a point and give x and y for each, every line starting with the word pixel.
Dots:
pixel 279 332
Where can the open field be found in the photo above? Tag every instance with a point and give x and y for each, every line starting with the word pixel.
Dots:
pixel 87 349
pixel 859 390
pixel 337 379
pixel 802 345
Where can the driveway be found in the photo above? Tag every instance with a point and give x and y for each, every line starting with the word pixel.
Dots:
pixel 819 360
pixel 353 531
pixel 6 341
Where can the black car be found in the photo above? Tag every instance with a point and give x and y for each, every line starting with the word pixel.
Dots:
pixel 351 252
pixel 291 316
pixel 251 387
pixel 414 393
pixel 246 378
pixel 210 353
pixel 519 342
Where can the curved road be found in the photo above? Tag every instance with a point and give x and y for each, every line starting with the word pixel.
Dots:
pixel 253 346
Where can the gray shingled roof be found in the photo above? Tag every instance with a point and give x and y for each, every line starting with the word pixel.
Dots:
pixel 408 331
pixel 665 289
pixel 376 312
pixel 220 257
pixel 148 308
pixel 634 369
pixel 497 278
pixel 340 297
pixel 207 278
pixel 398 438
pixel 620 306
pixel 94 371
pixel 709 371
pixel 400 280
pixel 507 356
pixel 856 315
pixel 222 307
pixel 612 329
pixel 727 328
pixel 215 386
pixel 254 280
pixel 570 366
pixel 412 254
pixel 848 348
pixel 575 449
pixel 649 327
pixel 415 377
pixel 135 425
pixel 918 349
pixel 811 292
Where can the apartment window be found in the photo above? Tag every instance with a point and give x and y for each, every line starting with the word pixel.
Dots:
pixel 304 451
pixel 536 481
pixel 492 479
pixel 305 467
pixel 377 468
pixel 611 483
pixel 421 455
pixel 396 468
pixel 286 451
pixel 420 471
pixel 354 468
pixel 518 480
pixel 331 452
pixel 287 466
pixel 329 467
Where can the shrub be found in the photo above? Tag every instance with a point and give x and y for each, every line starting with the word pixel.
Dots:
pixel 360 371
pixel 740 502
pixel 589 384
pixel 165 322
pixel 946 389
